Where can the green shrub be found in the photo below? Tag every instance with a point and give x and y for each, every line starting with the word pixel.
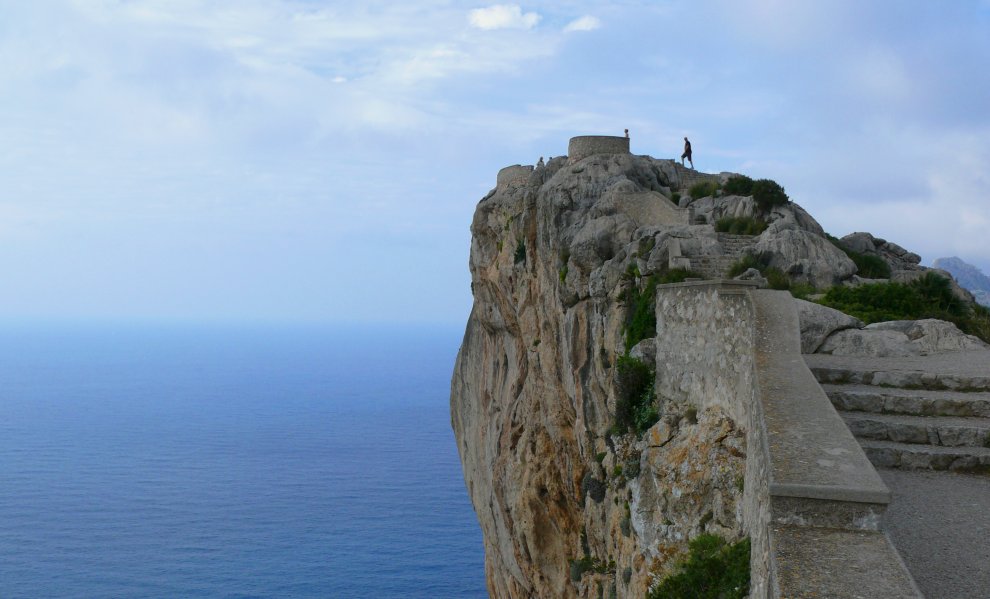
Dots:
pixel 768 193
pixel 738 185
pixel 703 189
pixel 742 225
pixel 713 569
pixel 777 279
pixel 520 255
pixel 641 320
pixel 635 407
pixel 929 296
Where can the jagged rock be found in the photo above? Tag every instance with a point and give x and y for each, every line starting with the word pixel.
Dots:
pixel 900 338
pixel 805 256
pixel 818 322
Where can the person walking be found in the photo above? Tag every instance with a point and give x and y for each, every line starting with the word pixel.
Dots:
pixel 687 153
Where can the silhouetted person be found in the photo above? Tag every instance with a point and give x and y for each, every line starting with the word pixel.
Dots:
pixel 540 163
pixel 687 153
pixel 627 133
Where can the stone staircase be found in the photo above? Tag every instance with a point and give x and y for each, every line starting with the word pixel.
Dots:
pixel 915 415
pixel 686 177
pixel 734 247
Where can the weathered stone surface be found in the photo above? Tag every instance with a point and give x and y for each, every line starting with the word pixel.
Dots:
pixel 805 256
pixel 818 322
pixel 900 338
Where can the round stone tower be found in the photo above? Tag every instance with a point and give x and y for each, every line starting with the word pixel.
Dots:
pixel 583 146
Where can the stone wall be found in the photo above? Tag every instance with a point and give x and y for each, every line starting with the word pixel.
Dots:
pixel 706 359
pixel 587 145
pixel 515 175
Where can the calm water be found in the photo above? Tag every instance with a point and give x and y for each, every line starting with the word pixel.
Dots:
pixel 231 462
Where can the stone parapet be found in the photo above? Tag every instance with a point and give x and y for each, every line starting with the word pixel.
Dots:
pixel 582 146
pixel 514 175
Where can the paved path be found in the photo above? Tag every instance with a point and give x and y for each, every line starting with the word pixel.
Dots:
pixel 940 524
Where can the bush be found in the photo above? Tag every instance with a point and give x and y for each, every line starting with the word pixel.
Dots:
pixel 713 569
pixel 738 185
pixel 768 193
pixel 929 296
pixel 742 225
pixel 641 322
pixel 635 408
pixel 703 189
pixel 777 279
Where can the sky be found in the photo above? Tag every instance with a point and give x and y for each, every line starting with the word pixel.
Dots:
pixel 319 161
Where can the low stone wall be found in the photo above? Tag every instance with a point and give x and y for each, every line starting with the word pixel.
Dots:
pixel 587 145
pixel 812 502
pixel 514 175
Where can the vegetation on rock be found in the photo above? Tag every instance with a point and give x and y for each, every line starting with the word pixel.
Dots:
pixel 738 185
pixel 742 225
pixel 641 322
pixel 868 266
pixel 768 193
pixel 929 296
pixel 713 569
pixel 703 189
pixel 635 405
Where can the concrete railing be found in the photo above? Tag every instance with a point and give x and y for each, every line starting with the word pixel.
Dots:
pixel 812 502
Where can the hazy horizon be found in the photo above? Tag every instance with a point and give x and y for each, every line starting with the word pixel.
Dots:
pixel 319 162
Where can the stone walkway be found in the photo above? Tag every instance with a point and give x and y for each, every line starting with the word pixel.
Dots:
pixel 924 421
pixel 940 524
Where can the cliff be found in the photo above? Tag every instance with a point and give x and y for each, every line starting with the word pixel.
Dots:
pixel 575 500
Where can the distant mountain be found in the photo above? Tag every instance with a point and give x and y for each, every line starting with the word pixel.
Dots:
pixel 968 276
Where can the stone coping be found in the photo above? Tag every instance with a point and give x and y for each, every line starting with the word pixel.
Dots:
pixel 811 452
pixel 713 283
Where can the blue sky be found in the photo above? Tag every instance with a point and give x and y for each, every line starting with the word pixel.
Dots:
pixel 312 160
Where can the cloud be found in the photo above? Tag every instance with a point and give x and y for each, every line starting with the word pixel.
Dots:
pixel 502 16
pixel 585 23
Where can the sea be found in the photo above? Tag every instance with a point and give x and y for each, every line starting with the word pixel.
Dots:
pixel 234 461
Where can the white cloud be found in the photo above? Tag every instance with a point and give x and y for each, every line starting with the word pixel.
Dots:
pixel 503 16
pixel 585 23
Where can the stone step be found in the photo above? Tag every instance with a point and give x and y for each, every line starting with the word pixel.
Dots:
pixel 930 430
pixel 904 379
pixel 916 402
pixel 887 454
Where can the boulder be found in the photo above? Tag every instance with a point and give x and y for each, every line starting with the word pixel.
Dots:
pixel 805 256
pixel 818 322
pixel 931 335
pixel 900 338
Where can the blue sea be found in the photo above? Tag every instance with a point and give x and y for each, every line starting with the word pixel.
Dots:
pixel 232 461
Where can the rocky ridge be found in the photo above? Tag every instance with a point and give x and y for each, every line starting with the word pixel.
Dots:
pixel 968 276
pixel 568 507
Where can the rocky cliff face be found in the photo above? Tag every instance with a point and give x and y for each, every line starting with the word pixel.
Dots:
pixel 568 507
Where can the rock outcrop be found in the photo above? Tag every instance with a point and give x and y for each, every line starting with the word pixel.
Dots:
pixel 560 255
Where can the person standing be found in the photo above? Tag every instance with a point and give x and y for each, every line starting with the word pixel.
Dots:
pixel 687 153
pixel 627 133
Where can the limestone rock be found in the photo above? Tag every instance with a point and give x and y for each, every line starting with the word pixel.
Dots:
pixel 900 338
pixel 805 256
pixel 818 322
pixel 931 335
